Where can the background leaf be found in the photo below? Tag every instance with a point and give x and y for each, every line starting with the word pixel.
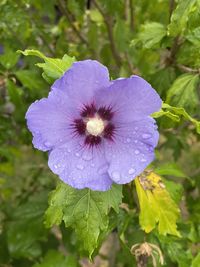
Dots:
pixel 84 210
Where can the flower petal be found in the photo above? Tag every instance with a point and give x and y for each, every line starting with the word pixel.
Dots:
pixel 82 80
pixel 49 120
pixel 80 166
pixel 132 150
pixel 131 99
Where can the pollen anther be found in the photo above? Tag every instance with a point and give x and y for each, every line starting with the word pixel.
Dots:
pixel 95 126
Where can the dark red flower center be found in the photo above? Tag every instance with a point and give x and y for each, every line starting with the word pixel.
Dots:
pixel 95 124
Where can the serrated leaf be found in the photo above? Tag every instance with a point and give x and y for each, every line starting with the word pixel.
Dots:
pixel 176 114
pixel 53 68
pixel 84 210
pixel 150 35
pixel 180 17
pixel 156 205
pixel 183 92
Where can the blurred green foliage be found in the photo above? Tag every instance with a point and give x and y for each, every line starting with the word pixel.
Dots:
pixel 159 40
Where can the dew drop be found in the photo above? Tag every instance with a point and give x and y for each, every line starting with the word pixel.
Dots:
pixel 79 167
pixel 77 154
pixel 137 152
pixel 87 156
pixel 136 141
pixel 131 171
pixel 146 136
pixel 143 160
pixel 102 169
pixel 47 144
pixel 116 176
pixel 69 150
pixel 55 166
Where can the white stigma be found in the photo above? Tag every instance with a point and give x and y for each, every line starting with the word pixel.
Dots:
pixel 95 126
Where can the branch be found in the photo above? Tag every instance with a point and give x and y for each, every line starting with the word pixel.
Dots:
pixel 187 69
pixel 66 13
pixel 109 26
pixel 132 21
pixel 171 8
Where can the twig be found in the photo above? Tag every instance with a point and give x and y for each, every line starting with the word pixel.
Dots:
pixel 132 21
pixel 171 8
pixel 109 26
pixel 187 69
pixel 65 11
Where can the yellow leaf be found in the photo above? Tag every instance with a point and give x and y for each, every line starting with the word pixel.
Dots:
pixel 156 205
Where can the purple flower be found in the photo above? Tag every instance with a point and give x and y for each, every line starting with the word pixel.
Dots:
pixel 97 131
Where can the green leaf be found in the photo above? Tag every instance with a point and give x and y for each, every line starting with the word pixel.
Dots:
pixel 26 229
pixel 196 261
pixel 180 17
pixel 96 16
pixel 156 205
pixel 150 35
pixel 175 189
pixel 176 114
pixel 84 210
pixel 9 59
pixel 121 43
pixel 30 79
pixel 170 169
pixel 183 92
pixel 54 258
pixel 53 68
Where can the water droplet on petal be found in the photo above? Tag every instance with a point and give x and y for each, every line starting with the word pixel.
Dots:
pixel 79 167
pixel 146 136
pixel 143 160
pixel 77 154
pixel 116 176
pixel 87 156
pixel 136 141
pixel 47 144
pixel 137 152
pixel 131 171
pixel 69 150
pixel 102 169
pixel 55 166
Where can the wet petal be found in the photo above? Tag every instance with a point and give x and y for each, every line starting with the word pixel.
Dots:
pixel 131 99
pixel 80 166
pixel 82 80
pixel 49 120
pixel 132 150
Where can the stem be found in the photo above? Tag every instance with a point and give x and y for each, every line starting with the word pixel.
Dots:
pixel 187 69
pixel 171 8
pixel 64 10
pixel 109 26
pixel 132 21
